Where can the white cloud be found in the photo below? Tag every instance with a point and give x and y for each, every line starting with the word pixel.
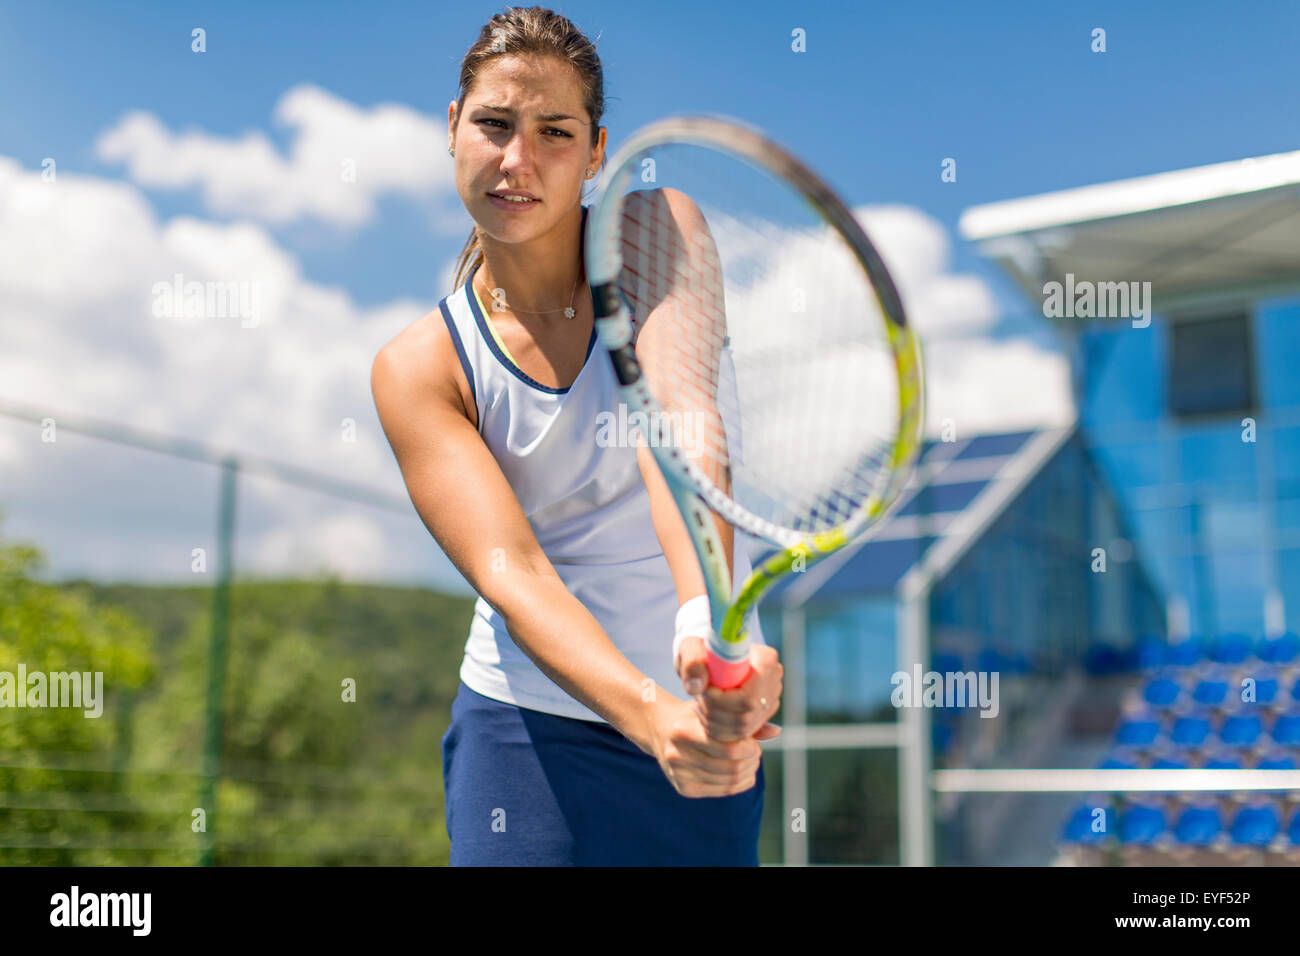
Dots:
pixel 392 148
pixel 79 261
pixel 918 252
pixel 982 384
pixel 349 546
pixel 986 385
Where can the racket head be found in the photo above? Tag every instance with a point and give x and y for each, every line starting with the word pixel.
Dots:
pixel 729 277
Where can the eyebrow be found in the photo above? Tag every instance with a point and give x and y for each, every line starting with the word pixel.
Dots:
pixel 542 117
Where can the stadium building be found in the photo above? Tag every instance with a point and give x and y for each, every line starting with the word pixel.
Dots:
pixel 1126 588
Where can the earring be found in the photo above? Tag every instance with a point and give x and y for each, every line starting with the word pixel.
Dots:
pixel 451 151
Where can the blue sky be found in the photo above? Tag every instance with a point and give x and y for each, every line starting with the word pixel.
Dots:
pixel 170 160
pixel 884 92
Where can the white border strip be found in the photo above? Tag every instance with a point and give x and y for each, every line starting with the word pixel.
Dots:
pixel 1114 781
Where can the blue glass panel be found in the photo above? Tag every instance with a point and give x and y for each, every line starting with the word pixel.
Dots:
pixel 1286 452
pixel 1278 325
pixel 936 498
pixel 1126 370
pixel 1289 574
pixel 851 654
pixel 877 567
pixel 1131 465
pixel 1239 592
pixel 1288 510
pixel 1230 524
pixel 1218 454
pixel 990 446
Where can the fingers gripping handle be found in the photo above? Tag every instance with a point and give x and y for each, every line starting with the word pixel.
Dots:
pixel 727 674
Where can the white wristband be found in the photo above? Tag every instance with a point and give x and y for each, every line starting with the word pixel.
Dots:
pixel 694 619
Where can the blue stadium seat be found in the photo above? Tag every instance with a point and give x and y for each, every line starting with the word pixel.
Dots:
pixel 1276 762
pixel 946 663
pixel 941 736
pixel 1184 653
pixel 1118 761
pixel 1265 689
pixel 1256 825
pixel 1141 824
pixel 1150 651
pixel 1294 832
pixel 1241 730
pixel 1231 648
pixel 1223 761
pixel 1191 730
pixel 1078 829
pixel 991 660
pixel 1173 760
pixel 1280 650
pixel 1295 690
pixel 1286 729
pixel 1138 732
pixel 1161 692
pixel 1101 660
pixel 1198 826
pixel 1211 692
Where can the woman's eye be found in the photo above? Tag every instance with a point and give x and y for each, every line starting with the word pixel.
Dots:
pixel 552 131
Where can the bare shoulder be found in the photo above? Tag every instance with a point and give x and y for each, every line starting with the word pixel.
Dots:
pixel 420 364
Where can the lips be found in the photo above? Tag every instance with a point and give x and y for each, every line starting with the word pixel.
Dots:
pixel 514 204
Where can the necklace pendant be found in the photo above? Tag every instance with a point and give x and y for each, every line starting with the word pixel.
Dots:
pixel 569 313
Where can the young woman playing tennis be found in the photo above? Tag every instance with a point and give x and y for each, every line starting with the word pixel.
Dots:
pixel 565 745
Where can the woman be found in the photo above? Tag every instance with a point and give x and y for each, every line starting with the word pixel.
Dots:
pixel 565 745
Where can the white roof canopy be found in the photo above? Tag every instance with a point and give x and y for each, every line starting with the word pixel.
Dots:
pixel 1229 228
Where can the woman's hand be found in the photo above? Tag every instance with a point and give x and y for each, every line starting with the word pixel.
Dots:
pixel 742 712
pixel 696 764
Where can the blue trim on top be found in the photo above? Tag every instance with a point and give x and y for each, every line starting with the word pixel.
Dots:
pixel 495 349
pixel 460 349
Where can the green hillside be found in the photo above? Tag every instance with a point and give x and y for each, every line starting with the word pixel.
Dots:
pixel 307 777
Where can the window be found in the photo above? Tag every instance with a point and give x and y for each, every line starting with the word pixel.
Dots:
pixel 1211 367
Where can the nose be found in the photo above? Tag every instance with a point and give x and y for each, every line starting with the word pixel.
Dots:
pixel 517 156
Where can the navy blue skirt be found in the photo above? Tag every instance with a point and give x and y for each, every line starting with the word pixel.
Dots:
pixel 525 788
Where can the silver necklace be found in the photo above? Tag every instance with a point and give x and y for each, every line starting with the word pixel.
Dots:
pixel 569 311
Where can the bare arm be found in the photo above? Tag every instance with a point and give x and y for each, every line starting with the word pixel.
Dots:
pixel 464 500
pixel 684 327
pixel 681 323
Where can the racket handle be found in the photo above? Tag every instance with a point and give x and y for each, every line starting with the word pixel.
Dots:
pixel 727 674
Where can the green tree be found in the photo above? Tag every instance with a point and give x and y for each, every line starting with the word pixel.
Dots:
pixel 64 797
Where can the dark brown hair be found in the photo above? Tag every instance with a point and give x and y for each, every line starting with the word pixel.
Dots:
pixel 529 31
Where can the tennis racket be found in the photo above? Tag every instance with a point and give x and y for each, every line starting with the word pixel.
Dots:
pixel 761 349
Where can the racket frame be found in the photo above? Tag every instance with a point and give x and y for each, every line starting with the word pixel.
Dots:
pixel 694 493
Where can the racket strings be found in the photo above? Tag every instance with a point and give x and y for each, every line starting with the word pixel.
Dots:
pixel 762 343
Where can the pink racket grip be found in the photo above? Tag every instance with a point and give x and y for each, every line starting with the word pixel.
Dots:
pixel 726 674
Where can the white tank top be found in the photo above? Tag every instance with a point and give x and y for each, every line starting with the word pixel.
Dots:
pixel 588 508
